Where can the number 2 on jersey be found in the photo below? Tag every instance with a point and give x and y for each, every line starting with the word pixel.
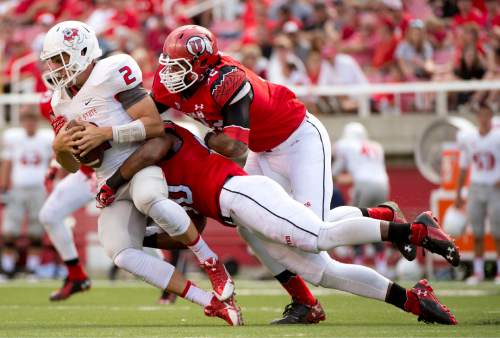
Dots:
pixel 127 72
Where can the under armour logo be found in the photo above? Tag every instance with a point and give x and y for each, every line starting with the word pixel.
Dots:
pixel 198 107
pixel 308 204
pixel 408 247
pixel 422 293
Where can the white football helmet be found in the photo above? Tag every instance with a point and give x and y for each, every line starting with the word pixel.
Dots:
pixel 454 221
pixel 68 48
pixel 354 130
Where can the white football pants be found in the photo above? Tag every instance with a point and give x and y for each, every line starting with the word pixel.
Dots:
pixel 70 194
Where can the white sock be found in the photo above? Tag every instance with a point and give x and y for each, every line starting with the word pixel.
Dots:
pixel 201 250
pixel 152 270
pixel 478 266
pixel 33 262
pixel 356 279
pixel 8 262
pixel 357 230
pixel 196 295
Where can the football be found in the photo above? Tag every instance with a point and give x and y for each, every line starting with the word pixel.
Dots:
pixel 95 156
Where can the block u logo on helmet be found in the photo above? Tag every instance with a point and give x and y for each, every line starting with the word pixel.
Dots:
pixel 197 45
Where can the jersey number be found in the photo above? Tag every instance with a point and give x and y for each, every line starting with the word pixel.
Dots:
pixel 126 71
pixel 181 195
pixel 484 161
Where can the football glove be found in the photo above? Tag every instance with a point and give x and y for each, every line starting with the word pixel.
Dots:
pixel 105 196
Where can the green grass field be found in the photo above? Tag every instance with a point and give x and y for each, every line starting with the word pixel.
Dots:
pixel 129 309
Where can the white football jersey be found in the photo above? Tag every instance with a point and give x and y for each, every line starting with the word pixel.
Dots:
pixel 30 156
pixel 363 159
pixel 482 154
pixel 95 102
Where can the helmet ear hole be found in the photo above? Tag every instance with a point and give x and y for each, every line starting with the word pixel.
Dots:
pixel 84 51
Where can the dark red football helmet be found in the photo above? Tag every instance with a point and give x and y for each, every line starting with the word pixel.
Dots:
pixel 188 53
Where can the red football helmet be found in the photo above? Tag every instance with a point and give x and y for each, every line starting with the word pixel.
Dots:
pixel 188 53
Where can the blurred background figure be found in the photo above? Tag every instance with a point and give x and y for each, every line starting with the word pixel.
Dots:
pixel 480 151
pixel 363 161
pixel 25 158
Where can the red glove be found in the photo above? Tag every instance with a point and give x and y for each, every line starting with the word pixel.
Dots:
pixel 105 196
pixel 50 176
pixel 57 123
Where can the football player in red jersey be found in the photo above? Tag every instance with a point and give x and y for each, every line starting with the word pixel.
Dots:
pixel 293 234
pixel 248 114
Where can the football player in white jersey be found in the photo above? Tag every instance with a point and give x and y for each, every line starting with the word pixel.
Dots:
pixel 363 159
pixel 108 97
pixel 26 155
pixel 70 194
pixel 480 150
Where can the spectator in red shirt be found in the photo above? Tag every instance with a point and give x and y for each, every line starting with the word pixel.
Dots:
pixel 469 13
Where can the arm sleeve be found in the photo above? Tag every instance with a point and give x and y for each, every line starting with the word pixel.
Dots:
pixel 130 97
pixel 236 118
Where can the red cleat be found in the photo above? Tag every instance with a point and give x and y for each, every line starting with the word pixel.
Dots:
pixel 227 310
pixel 426 232
pixel 407 250
pixel 69 288
pixel 222 283
pixel 423 302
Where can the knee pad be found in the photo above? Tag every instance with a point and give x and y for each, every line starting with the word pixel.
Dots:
pixel 170 216
pixel 148 190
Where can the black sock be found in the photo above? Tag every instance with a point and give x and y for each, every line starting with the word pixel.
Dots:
pixel 396 296
pixel 285 276
pixel 399 232
pixel 73 261
pixel 364 212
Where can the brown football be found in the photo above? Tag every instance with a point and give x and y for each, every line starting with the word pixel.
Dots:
pixel 95 156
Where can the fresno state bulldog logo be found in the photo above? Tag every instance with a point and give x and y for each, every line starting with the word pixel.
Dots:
pixel 72 37
pixel 197 45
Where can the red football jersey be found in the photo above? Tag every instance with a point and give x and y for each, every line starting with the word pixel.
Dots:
pixel 196 175
pixel 275 111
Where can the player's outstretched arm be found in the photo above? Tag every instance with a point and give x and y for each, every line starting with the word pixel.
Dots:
pixel 225 145
pixel 152 151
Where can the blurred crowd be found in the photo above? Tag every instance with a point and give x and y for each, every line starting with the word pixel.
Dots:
pixel 294 42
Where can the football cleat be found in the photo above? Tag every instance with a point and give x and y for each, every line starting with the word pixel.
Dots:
pixel 227 310
pixel 222 283
pixel 407 250
pixel 296 313
pixel 426 232
pixel 69 288
pixel 428 308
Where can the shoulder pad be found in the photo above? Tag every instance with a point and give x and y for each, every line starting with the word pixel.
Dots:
pixel 227 84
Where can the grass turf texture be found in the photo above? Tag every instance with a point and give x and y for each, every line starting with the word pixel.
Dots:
pixel 129 309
